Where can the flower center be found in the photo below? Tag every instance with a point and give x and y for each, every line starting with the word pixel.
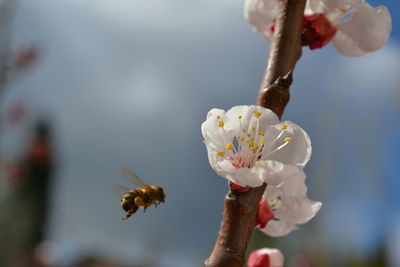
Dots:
pixel 249 145
pixel 275 203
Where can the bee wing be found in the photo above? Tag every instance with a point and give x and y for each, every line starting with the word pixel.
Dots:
pixel 119 189
pixel 132 177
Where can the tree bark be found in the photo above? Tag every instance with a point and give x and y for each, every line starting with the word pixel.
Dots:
pixel 240 209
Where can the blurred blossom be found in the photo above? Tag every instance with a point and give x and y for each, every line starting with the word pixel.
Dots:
pixel 15 172
pixel 16 113
pixel 266 257
pixel 361 28
pixel 24 57
pixel 249 146
pixel 354 27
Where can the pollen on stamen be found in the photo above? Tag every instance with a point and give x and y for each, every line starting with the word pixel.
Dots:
pixel 244 131
pixel 288 139
pixel 255 149
pixel 229 146
pixel 240 117
pixel 260 133
pixel 283 127
pixel 218 117
pixel 258 114
pixel 253 128
pixel 220 153
pixel 343 10
pixel 262 141
pixel 248 135
pixel 221 124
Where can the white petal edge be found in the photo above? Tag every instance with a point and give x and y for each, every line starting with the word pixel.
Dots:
pixel 368 27
pixel 261 13
pixel 296 152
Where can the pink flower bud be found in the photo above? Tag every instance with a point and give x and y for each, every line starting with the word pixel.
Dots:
pixel 322 29
pixel 266 257
pixel 265 214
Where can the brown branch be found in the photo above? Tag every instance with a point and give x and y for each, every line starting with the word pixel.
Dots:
pixel 240 209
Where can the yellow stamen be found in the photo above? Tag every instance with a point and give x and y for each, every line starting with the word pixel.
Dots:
pixel 240 117
pixel 218 117
pixel 252 139
pixel 258 114
pixel 343 10
pixel 283 127
pixel 248 135
pixel 251 144
pixel 262 141
pixel 260 133
pixel 229 146
pixel 253 128
pixel 220 153
pixel 288 139
pixel 221 124
pixel 244 131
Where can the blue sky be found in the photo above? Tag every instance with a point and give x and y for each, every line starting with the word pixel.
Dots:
pixel 128 83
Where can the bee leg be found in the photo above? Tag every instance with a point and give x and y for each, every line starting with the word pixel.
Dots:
pixel 126 217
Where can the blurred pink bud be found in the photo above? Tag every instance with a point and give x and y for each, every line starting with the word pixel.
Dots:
pixel 322 29
pixel 15 173
pixel 16 113
pixel 265 257
pixel 265 214
pixel 25 56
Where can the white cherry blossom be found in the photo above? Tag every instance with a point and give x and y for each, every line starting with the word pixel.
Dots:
pixel 353 26
pixel 286 205
pixel 361 27
pixel 249 146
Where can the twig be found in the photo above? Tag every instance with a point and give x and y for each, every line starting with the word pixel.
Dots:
pixel 240 209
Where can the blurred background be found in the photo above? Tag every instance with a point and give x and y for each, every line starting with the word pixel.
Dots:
pixel 88 87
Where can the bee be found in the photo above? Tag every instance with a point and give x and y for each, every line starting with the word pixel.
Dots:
pixel 144 196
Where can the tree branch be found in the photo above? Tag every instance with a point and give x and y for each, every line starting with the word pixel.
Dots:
pixel 240 209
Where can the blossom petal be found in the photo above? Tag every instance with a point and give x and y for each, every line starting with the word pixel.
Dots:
pixel 264 171
pixel 276 228
pixel 297 151
pixel 242 176
pixel 214 135
pixel 368 27
pixel 346 46
pixel 266 117
pixel 291 185
pixel 274 172
pixel 298 210
pixel 261 13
